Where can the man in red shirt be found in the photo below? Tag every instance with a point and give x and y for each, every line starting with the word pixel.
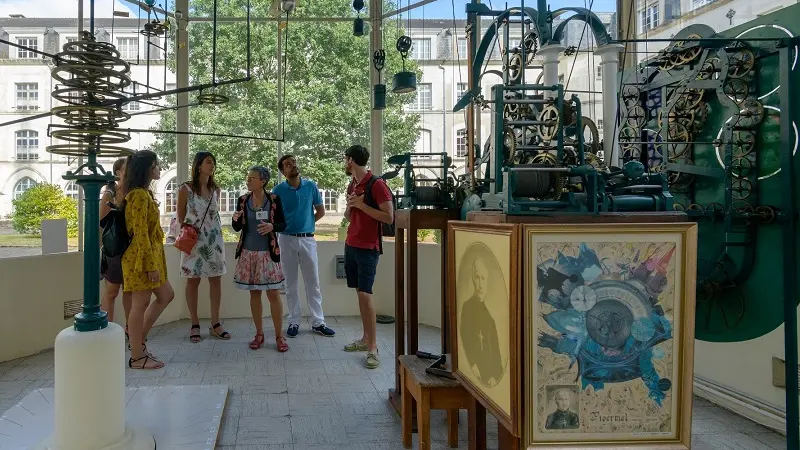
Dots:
pixel 369 206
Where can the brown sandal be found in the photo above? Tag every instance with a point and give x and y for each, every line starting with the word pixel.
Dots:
pixel 213 332
pixel 257 342
pixel 194 336
pixel 280 342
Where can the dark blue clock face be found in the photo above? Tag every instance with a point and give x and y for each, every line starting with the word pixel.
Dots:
pixel 609 323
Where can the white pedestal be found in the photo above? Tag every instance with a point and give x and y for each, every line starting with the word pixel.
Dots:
pixel 90 393
pixel 549 54
pixel 609 55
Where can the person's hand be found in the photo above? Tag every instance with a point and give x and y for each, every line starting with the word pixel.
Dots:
pixel 355 201
pixel 264 228
pixel 237 215
pixel 154 276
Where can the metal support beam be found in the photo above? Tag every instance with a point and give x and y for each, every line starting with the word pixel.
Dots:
pixel 81 224
pixel 182 78
pixel 789 249
pixel 279 110
pixel 626 29
pixel 376 115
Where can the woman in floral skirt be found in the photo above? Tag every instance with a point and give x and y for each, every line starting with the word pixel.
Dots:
pixel 259 216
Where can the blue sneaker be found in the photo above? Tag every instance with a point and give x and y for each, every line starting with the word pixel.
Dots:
pixel 292 331
pixel 323 330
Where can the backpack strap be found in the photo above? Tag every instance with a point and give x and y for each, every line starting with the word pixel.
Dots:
pixel 371 202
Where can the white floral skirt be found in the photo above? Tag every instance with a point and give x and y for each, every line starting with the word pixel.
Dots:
pixel 256 271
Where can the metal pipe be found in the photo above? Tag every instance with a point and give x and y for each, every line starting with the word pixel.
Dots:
pixel 472 38
pixel 271 19
pixel 526 101
pixel 81 222
pixel 444 115
pixel 182 80
pixel 279 103
pixel 214 45
pixel 789 248
pixel 194 133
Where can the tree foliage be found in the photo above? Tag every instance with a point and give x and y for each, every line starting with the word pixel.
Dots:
pixel 43 202
pixel 327 92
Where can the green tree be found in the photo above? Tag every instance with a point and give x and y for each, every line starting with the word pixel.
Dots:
pixel 43 202
pixel 327 92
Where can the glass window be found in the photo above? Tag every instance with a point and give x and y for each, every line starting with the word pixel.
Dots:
pixel 22 186
pixel 27 96
pixel 31 42
pixel 27 145
pixel 71 190
pixel 128 48
pixel 420 49
pixel 171 196
pixel 424 97
pixel 330 199
pixel 648 18
pixel 460 89
pixel 462 48
pixel 461 143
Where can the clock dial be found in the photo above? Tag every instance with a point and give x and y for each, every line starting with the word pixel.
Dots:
pixel 583 298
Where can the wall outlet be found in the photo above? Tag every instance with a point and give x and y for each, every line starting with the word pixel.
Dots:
pixel 340 273
pixel 779 372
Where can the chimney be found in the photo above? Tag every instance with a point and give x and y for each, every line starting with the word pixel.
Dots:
pixel 444 45
pixel 51 41
pixel 101 35
pixel 3 47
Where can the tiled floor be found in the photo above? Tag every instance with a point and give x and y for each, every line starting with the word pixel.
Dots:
pixel 317 397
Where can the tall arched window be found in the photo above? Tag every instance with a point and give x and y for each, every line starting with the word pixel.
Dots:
pixel 27 145
pixel 461 143
pixel 71 190
pixel 171 196
pixel 22 186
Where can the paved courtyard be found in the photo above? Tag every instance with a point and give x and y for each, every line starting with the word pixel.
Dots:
pixel 317 397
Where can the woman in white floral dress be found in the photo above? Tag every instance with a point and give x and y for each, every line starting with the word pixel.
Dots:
pixel 198 207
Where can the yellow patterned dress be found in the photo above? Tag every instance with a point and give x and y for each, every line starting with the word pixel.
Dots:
pixel 146 252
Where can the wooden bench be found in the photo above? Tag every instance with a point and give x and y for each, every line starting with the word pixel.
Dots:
pixel 430 392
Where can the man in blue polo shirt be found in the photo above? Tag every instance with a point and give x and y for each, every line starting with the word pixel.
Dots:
pixel 302 206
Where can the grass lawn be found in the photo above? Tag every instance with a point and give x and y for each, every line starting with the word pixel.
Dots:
pixel 24 240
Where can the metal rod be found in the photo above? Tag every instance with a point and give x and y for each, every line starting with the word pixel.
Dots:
pixel 271 19
pixel 214 46
pixel 775 39
pixel 406 8
pixel 91 17
pixel 539 169
pixel 177 91
pixel 531 122
pixel 527 101
pixel 789 249
pixel 249 43
pixel 26 119
pixel 195 133
pixel 32 50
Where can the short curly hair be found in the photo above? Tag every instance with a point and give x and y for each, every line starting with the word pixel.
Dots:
pixel 263 174
pixel 359 154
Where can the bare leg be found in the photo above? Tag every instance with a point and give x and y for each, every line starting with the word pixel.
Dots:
pixel 192 286
pixel 276 310
pixel 127 299
pixel 368 320
pixel 164 295
pixel 109 298
pixel 257 310
pixel 215 288
pixel 136 332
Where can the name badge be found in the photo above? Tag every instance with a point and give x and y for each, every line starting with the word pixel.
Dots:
pixel 262 215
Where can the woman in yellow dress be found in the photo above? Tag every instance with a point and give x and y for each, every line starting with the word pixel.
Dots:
pixel 144 265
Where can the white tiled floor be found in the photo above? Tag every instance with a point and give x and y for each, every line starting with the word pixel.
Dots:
pixel 317 397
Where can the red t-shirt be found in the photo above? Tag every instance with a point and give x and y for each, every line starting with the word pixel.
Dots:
pixel 364 231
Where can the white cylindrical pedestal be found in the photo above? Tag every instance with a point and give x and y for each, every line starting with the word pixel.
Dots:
pixel 609 55
pixel 549 54
pixel 90 393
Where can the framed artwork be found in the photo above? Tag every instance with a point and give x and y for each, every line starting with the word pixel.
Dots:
pixel 609 345
pixel 483 278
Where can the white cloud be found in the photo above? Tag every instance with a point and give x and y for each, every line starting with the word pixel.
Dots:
pixel 62 8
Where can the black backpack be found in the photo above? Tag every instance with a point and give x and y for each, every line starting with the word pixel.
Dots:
pixel 115 238
pixel 387 229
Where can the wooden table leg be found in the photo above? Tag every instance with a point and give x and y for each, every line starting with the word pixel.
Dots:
pixel 445 319
pixel 399 310
pixel 506 440
pixel 413 292
pixel 452 428
pixel 405 397
pixel 477 426
pixel 424 420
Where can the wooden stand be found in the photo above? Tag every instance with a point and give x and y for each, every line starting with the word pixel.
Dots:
pixel 477 411
pixel 430 392
pixel 413 220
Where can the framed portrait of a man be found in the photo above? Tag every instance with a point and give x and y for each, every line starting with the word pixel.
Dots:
pixel 609 346
pixel 484 315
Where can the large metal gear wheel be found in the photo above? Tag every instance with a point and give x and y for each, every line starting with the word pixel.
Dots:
pixel 515 68
pixel 741 63
pixel 636 116
pixel 551 118
pixel 751 115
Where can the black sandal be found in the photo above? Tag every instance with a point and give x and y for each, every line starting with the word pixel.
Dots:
pixel 213 332
pixel 144 364
pixel 195 338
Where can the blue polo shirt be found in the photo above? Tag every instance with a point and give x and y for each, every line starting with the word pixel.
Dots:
pixel 298 205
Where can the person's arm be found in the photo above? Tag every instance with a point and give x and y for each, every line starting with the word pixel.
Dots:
pixel 104 208
pixel 319 208
pixel 383 197
pixel 278 219
pixel 136 211
pixel 183 199
pixel 237 221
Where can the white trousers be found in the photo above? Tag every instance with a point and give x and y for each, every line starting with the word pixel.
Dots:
pixel 301 253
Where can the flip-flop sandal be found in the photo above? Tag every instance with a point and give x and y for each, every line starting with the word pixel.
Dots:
pixel 194 338
pixel 146 358
pixel 213 332
pixel 281 344
pixel 257 342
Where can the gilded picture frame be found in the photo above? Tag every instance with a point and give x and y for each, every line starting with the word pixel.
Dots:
pixel 609 346
pixel 483 295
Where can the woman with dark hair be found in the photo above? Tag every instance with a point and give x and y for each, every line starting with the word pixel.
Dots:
pixel 144 265
pixel 259 216
pixel 198 207
pixel 111 268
